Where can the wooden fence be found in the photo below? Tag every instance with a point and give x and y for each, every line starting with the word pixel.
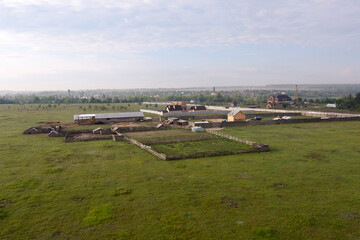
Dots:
pixel 176 140
pixel 272 122
pixel 302 112
pixel 147 148
pixel 259 146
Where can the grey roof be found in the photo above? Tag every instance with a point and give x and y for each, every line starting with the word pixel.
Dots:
pixel 233 112
pixel 110 115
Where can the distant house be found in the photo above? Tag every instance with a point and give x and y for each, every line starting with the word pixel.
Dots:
pixel 236 116
pixel 197 108
pixel 233 104
pixel 278 98
pixel 104 118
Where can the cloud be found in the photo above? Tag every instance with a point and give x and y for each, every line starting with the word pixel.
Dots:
pixel 143 39
pixel 109 25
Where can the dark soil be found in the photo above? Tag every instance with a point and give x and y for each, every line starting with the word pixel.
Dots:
pixel 280 185
pixel 5 202
pixel 229 202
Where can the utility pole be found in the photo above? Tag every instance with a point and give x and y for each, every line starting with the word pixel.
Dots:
pixel 297 96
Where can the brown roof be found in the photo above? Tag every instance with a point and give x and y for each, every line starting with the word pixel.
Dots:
pixel 198 108
pixel 174 108
pixel 281 97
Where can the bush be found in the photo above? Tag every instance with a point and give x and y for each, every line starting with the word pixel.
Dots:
pixel 98 214
pixel 122 191
pixel 3 214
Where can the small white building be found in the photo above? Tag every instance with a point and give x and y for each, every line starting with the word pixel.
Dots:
pixel 331 105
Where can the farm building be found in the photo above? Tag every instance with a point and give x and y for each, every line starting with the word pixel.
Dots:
pixel 98 131
pixel 197 129
pixel 104 118
pixel 331 105
pixel 173 108
pixel 197 108
pixel 278 98
pixel 182 122
pixel 181 103
pixel 160 126
pixel 236 116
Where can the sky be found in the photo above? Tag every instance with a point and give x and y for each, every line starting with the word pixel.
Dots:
pixel 110 44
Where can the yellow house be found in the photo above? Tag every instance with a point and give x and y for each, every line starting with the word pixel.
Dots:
pixel 236 116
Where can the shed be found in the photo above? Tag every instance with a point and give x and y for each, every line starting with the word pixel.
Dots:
pixel 102 118
pixel 197 129
pixel 160 126
pixel 182 122
pixel 201 122
pixel 53 134
pixel 98 131
pixel 236 116
pixel 173 120
pixel 331 105
pixel 32 131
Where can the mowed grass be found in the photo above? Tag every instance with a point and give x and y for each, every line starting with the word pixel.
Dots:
pixel 306 187
pixel 216 145
pixel 166 134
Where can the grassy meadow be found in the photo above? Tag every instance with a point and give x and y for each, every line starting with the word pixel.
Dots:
pixel 306 187
pixel 198 147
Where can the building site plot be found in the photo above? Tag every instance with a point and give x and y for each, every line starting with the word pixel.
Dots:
pixel 159 133
pixel 215 146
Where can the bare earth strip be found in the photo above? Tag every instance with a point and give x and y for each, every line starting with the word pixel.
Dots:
pixel 164 133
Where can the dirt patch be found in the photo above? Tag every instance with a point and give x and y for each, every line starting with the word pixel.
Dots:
pixel 87 137
pixel 350 215
pixel 215 120
pixel 69 124
pixel 243 176
pixel 79 199
pixel 315 156
pixel 126 124
pixel 163 133
pixel 5 202
pixel 175 140
pixel 217 129
pixel 280 185
pixel 50 123
pixel 229 202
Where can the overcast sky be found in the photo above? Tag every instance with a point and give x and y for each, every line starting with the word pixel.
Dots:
pixel 88 44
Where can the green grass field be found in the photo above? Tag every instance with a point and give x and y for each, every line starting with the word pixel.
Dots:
pixel 306 187
pixel 203 146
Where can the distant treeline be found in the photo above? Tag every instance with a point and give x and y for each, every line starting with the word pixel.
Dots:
pixel 245 97
pixel 349 102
